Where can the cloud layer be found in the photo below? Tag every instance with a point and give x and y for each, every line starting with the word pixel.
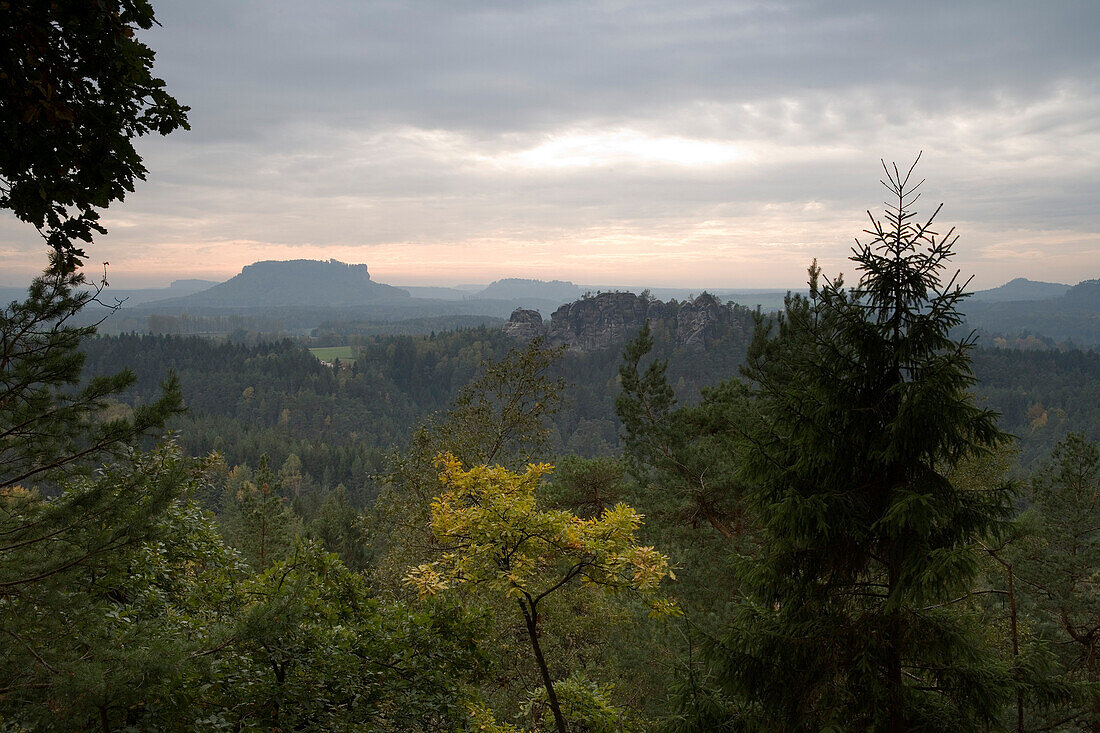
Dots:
pixel 691 143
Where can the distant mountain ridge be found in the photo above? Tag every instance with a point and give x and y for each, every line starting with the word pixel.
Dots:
pixel 1085 294
pixel 192 285
pixel 295 296
pixel 1021 289
pixel 1072 316
pixel 298 295
pixel 129 296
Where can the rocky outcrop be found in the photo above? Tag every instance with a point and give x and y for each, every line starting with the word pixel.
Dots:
pixel 524 325
pixel 608 319
pixel 699 321
pixel 594 323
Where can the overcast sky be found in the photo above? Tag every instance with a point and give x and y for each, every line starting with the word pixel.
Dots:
pixel 672 143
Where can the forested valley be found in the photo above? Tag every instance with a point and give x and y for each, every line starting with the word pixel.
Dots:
pixel 275 398
pixel 436 533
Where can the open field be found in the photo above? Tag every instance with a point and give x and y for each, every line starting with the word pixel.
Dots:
pixel 328 353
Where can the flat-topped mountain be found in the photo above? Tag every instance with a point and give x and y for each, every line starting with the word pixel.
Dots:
pixel 295 283
pixel 514 288
pixel 608 319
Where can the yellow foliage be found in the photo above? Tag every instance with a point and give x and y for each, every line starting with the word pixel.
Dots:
pixel 496 535
pixel 483 721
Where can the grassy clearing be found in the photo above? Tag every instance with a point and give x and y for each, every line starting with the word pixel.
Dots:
pixel 328 353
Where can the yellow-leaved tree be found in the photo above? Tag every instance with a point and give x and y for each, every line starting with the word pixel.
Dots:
pixel 497 537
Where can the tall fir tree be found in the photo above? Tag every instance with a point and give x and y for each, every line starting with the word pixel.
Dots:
pixel 858 613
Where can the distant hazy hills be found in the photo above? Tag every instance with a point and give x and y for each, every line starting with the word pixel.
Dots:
pixel 1021 289
pixel 435 292
pixel 1085 295
pixel 1072 314
pixel 511 288
pixel 299 295
pixel 129 296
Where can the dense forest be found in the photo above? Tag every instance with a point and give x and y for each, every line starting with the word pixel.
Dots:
pixel 249 399
pixel 846 517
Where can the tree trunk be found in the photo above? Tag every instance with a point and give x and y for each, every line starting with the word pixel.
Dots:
pixel 1015 649
pixel 893 666
pixel 530 616
pixel 897 717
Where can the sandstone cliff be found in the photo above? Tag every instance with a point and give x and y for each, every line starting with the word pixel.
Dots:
pixel 524 325
pixel 608 319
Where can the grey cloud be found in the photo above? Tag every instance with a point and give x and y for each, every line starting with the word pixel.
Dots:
pixel 497 66
pixel 306 116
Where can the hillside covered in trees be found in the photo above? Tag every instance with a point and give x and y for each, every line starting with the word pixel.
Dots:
pixel 342 458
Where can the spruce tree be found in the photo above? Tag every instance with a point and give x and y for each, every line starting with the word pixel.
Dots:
pixel 858 613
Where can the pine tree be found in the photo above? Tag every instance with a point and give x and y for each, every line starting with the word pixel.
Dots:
pixel 49 427
pixel 81 510
pixel 857 614
pixel 52 433
pixel 77 87
pixel 123 601
pixel 256 520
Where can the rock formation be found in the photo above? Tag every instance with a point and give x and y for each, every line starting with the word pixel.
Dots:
pixel 699 321
pixel 524 325
pixel 608 319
